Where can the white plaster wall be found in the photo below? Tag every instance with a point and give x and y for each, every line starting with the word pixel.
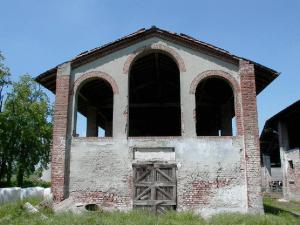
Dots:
pixel 293 154
pixel 99 166
pixel 104 165
pixel 292 188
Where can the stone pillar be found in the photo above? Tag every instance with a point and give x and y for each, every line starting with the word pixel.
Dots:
pixel 226 120
pixel 266 172
pixel 283 140
pixel 91 120
pixel 120 110
pixel 59 153
pixel 188 105
pixel 251 137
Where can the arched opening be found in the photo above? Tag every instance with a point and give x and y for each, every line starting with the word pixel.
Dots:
pixel 215 112
pixel 94 109
pixel 154 96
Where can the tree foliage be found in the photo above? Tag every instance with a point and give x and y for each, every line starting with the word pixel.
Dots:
pixel 4 78
pixel 25 130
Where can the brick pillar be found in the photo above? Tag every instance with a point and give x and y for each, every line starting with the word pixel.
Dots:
pixel 251 137
pixel 60 127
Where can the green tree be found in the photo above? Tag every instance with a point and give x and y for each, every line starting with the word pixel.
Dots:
pixel 4 78
pixel 26 129
pixel 4 82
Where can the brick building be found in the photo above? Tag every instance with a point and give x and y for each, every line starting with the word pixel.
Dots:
pixel 280 148
pixel 171 123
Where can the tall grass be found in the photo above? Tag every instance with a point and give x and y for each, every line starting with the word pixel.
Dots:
pixel 14 214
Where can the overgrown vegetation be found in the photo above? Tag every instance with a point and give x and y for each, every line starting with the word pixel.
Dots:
pixel 14 214
pixel 25 128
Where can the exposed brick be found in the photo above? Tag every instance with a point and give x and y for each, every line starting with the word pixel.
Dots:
pixel 200 192
pixel 106 199
pixel 251 137
pixel 60 137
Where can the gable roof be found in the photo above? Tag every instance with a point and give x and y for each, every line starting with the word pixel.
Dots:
pixel 264 75
pixel 268 136
pixel 286 114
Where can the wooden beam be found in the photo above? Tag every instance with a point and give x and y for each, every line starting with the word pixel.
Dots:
pixel 156 184
pixel 143 175
pixel 154 202
pixel 143 193
pixel 165 193
pixel 165 175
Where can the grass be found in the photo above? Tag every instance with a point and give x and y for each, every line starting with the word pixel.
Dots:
pixel 13 213
pixel 273 206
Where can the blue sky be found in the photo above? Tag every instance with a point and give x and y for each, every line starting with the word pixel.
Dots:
pixel 37 35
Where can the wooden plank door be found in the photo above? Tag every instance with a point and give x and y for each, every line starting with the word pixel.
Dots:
pixel 154 186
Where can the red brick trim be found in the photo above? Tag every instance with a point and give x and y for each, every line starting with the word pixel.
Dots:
pixel 59 146
pixel 214 73
pixel 251 137
pixel 133 56
pixel 96 74
pixel 234 85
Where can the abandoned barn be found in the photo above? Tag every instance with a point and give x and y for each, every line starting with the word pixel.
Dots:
pixel 171 124
pixel 280 151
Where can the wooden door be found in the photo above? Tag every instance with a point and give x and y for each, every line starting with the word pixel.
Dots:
pixel 154 186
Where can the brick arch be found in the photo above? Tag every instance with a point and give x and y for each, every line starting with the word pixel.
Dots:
pixel 234 85
pixel 96 74
pixel 174 55
pixel 214 73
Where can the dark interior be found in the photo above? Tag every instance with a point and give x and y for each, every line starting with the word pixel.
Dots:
pixel 154 96
pixel 95 102
pixel 214 108
pixel 293 125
